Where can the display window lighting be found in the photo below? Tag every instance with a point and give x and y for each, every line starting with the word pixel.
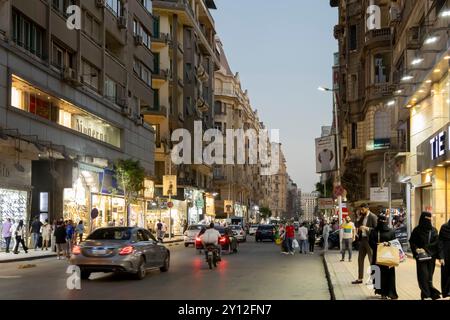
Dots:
pixel 445 13
pixel 417 61
pixel 407 78
pixel 431 40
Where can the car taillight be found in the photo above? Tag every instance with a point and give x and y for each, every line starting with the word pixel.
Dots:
pixel 198 239
pixel 222 239
pixel 126 251
pixel 76 250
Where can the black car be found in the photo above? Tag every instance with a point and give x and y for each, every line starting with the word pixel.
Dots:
pixel 333 241
pixel 265 232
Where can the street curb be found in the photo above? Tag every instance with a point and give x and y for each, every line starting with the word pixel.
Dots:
pixel 28 258
pixel 328 276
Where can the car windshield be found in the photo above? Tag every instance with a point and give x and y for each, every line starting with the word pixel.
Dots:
pixel 111 234
pixel 196 227
pixel 236 227
pixel 265 227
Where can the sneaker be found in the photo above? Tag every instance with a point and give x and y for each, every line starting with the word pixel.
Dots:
pixel 357 282
pixel 342 260
pixel 292 253
pixel 349 260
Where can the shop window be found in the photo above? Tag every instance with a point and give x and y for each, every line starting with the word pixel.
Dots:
pixel 28 98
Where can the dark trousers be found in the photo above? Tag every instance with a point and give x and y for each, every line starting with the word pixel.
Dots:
pixel 312 243
pixel 289 244
pixel 364 249
pixel 8 243
pixel 425 272
pixel 347 246
pixel 19 240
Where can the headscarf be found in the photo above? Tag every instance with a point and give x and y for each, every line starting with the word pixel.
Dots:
pixel 424 223
pixel 382 224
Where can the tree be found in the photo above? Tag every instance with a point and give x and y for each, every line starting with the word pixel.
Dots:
pixel 325 189
pixel 130 176
pixel 265 213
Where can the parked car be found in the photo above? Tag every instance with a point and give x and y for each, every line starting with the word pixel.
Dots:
pixel 252 229
pixel 227 240
pixel 191 233
pixel 239 233
pixel 265 232
pixel 118 250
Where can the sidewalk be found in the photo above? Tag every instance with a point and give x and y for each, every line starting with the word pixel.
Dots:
pixel 343 273
pixel 34 255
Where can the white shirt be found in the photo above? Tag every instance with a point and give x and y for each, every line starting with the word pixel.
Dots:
pixel 211 236
pixel 303 233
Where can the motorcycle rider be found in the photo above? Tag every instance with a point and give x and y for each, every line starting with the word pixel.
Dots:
pixel 211 237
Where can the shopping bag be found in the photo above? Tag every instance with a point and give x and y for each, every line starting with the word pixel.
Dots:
pixel 402 255
pixel 295 244
pixel 387 256
pixel 278 241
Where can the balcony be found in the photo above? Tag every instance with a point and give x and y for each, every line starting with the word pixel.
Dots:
pixel 376 38
pixel 160 75
pixel 160 40
pixel 225 92
pixel 160 111
pixel 379 91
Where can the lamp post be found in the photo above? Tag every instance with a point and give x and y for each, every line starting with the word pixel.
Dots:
pixel 338 147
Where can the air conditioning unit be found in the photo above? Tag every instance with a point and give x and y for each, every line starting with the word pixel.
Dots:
pixel 139 120
pixel 122 22
pixel 100 3
pixel 138 40
pixel 69 74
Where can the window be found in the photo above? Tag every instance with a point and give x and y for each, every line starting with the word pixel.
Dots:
pixel 382 68
pixel 27 34
pixel 374 183
pixel 352 38
pixel 110 89
pixel 382 125
pixel 28 98
pixel 142 72
pixel 353 87
pixel 61 6
pixel 138 29
pixel 156 26
pixel 156 98
pixel 91 27
pixel 61 57
pixel 147 4
pixel 90 75
pixel 141 236
pixel 218 107
pixel 115 6
pixel 157 130
pixel 189 74
pixel 354 135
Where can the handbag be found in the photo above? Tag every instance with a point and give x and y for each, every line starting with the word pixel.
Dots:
pixel 387 256
pixel 423 255
pixel 295 244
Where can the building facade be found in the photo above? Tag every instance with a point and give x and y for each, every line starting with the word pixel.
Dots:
pixel 309 205
pixel 70 106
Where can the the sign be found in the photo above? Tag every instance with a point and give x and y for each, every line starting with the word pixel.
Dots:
pixel 434 151
pixel 326 203
pixel 228 206
pixel 210 210
pixel 379 194
pixel 339 191
pixel 149 189
pixel 170 204
pixel 325 154
pixel 199 203
pixel 170 186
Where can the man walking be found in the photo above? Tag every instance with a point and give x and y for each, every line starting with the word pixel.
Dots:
pixel 325 234
pixel 6 233
pixel 303 237
pixel 367 222
pixel 35 231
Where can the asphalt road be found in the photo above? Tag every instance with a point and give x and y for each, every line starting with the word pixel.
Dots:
pixel 258 271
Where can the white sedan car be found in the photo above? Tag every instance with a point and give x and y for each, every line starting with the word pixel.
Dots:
pixel 191 233
pixel 252 229
pixel 239 233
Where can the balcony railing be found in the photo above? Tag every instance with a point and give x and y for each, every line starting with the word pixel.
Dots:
pixel 161 37
pixel 161 74
pixel 378 35
pixel 225 92
pixel 378 91
pixel 154 110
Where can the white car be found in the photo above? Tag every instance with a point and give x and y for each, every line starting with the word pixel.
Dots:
pixel 239 233
pixel 191 233
pixel 252 229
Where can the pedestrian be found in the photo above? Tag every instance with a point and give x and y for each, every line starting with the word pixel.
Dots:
pixel 35 231
pixel 383 234
pixel 326 234
pixel 6 233
pixel 312 237
pixel 80 231
pixel 444 244
pixel 70 231
pixel 424 243
pixel 46 231
pixel 366 223
pixel 53 239
pixel 160 231
pixel 60 239
pixel 348 237
pixel 290 234
pixel 303 237
pixel 20 234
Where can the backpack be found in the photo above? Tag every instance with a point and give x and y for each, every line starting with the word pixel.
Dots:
pixel 159 226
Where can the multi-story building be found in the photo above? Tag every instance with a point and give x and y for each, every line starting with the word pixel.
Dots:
pixel 292 209
pixel 309 205
pixel 421 56
pixel 185 60
pixel 239 183
pixel 70 105
pixel 278 189
pixel 364 77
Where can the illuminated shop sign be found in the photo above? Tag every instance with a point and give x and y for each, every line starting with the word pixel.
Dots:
pixel 434 150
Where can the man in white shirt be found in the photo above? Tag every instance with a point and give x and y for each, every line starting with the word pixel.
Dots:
pixel 211 236
pixel 303 237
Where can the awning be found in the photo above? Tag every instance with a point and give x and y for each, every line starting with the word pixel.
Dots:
pixel 87 167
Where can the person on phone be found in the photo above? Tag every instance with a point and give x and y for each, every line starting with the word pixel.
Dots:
pixel 424 243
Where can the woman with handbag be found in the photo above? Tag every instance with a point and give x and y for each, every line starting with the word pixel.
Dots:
pixel 424 243
pixel 383 234
pixel 444 244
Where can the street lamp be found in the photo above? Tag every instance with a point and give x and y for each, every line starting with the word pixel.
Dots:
pixel 338 146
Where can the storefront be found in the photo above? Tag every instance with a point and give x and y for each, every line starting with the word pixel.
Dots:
pixel 195 205
pixel 159 210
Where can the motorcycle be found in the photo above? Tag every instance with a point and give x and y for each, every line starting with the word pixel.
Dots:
pixel 212 256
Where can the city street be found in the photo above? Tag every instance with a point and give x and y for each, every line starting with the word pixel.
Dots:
pixel 258 271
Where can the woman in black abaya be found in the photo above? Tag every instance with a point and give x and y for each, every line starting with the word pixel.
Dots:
pixel 425 238
pixel 444 245
pixel 382 233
